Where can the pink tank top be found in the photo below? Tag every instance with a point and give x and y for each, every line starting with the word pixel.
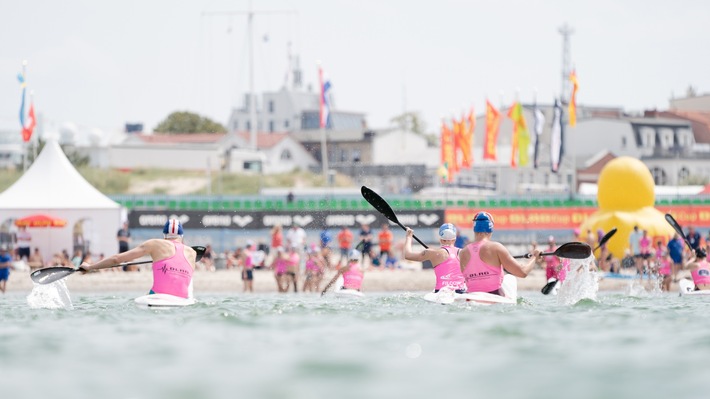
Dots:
pixel 352 278
pixel 280 265
pixel 665 269
pixel 248 262
pixel 448 273
pixel 173 275
pixel 479 275
pixel 701 275
pixel 312 266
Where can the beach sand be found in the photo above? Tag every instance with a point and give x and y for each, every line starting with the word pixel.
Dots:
pixel 224 281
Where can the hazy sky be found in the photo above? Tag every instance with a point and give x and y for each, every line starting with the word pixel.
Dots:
pixel 104 63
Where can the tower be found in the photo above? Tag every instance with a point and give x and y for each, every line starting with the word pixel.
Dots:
pixel 566 31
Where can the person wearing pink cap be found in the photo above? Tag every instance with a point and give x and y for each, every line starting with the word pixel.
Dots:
pixel 484 261
pixel 173 262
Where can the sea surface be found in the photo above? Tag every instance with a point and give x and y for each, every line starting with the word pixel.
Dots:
pixel 385 345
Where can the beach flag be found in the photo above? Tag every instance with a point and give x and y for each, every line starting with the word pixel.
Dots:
pixel 556 139
pixel 23 85
pixel 521 137
pixel 448 160
pixel 30 124
pixel 492 125
pixel 573 99
pixel 324 99
pixel 468 124
pixel 538 126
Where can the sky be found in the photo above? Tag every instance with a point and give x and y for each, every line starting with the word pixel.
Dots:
pixel 101 64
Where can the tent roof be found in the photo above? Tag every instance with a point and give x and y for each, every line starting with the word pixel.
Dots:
pixel 53 183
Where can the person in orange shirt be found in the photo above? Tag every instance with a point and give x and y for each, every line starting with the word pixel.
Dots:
pixel 385 241
pixel 345 241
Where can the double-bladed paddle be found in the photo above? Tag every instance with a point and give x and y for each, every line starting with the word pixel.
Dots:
pixel 384 208
pixel 51 274
pixel 551 284
pixel 572 250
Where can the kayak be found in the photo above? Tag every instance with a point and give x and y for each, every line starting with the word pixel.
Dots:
pixel 345 292
pixel 687 288
pixel 447 296
pixel 163 301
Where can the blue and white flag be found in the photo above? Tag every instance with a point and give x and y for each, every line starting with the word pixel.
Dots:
pixel 557 135
pixel 324 99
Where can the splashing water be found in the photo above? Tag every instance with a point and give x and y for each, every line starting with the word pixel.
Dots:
pixel 580 283
pixel 50 296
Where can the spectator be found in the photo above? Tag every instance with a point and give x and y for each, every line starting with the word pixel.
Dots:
pixel 345 241
pixel 289 197
pixel 5 266
pixel 36 261
pixel 366 241
pixel 675 250
pixel 24 241
pixel 124 239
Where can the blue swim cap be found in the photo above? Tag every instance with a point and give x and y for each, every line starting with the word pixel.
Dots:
pixel 483 223
pixel 447 231
pixel 172 228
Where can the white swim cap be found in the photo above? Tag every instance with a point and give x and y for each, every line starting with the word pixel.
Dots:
pixel 447 231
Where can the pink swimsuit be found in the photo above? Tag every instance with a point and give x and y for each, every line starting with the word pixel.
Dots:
pixel 312 266
pixel 448 273
pixel 479 275
pixel 701 275
pixel 280 265
pixel 173 275
pixel 352 278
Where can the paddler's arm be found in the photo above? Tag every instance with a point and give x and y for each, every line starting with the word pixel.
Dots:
pixel 115 260
pixel 511 265
pixel 407 252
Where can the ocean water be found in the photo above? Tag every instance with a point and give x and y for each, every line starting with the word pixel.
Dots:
pixel 385 345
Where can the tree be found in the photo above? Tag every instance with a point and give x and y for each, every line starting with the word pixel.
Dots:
pixel 410 121
pixel 73 156
pixel 188 122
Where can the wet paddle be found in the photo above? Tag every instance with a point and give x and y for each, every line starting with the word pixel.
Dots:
pixel 678 229
pixel 49 275
pixel 553 281
pixel 571 250
pixel 384 208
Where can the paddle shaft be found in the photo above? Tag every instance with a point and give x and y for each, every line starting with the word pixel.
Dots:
pixel 332 281
pixel 384 208
pixel 671 220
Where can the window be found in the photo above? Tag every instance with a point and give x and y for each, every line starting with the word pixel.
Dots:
pixel 248 125
pixel 285 155
pixel 623 141
pixel 271 126
pixel 286 123
pixel 659 176
pixel 271 106
pixel 235 125
pixel 683 174
pixel 356 155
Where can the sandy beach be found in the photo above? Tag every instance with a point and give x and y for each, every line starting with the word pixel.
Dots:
pixel 221 281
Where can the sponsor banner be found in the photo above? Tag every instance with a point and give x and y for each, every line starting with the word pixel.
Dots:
pixel 523 218
pixel 266 219
pixel 565 218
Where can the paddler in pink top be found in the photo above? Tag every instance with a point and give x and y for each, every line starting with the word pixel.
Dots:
pixel 444 259
pixel 700 270
pixel 173 262
pixel 352 272
pixel 484 261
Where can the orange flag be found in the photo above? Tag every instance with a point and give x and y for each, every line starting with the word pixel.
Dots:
pixel 448 160
pixel 471 128
pixel 573 99
pixel 465 140
pixel 492 125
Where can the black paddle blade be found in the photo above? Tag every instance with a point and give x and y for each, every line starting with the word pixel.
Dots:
pixel 548 287
pixel 379 203
pixel 574 250
pixel 50 274
pixel 200 250
pixel 678 229
pixel 606 237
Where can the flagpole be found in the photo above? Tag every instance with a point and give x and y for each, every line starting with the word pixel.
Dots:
pixel 24 144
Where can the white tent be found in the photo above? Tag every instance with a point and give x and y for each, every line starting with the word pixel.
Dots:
pixel 52 186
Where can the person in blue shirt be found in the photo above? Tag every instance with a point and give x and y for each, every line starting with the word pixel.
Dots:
pixel 5 266
pixel 675 250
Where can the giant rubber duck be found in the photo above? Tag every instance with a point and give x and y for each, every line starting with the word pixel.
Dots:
pixel 626 197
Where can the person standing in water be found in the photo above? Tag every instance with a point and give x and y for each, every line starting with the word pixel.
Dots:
pixel 484 261
pixel 173 262
pixel 5 266
pixel 444 259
